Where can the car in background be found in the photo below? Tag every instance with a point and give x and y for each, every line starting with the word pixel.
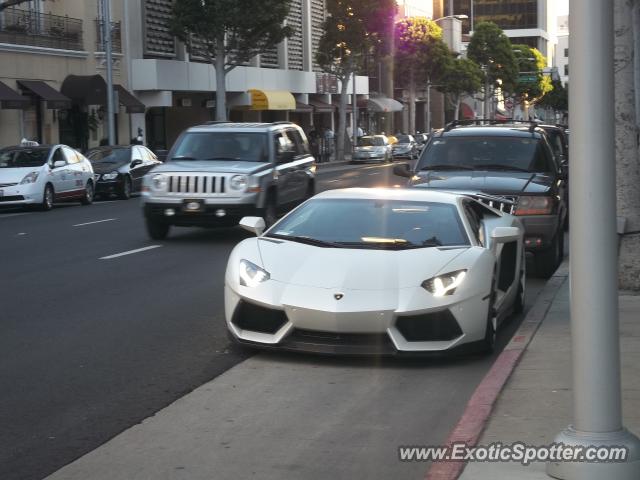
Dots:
pixel 39 175
pixel 119 169
pixel 372 148
pixel 219 172
pixel 377 271
pixel 421 140
pixel 406 147
pixel 513 162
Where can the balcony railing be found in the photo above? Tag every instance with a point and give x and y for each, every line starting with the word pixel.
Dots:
pixel 116 36
pixel 25 27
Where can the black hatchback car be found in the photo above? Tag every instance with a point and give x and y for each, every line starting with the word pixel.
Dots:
pixel 514 162
pixel 119 169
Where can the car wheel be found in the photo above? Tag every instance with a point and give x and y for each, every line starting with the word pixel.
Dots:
pixel 270 212
pixel 47 198
pixel 125 191
pixel 518 306
pixel 311 190
pixel 157 230
pixel 548 260
pixel 87 198
pixel 488 343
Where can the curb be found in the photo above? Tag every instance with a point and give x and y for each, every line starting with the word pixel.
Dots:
pixel 480 405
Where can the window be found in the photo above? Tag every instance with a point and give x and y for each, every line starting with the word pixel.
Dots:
pixel 57 156
pixel 566 69
pixel 375 223
pixel 221 146
pixel 302 147
pixel 474 221
pixel 71 156
pixel 284 147
pixel 566 53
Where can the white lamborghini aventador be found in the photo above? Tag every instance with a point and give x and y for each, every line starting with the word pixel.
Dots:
pixel 377 271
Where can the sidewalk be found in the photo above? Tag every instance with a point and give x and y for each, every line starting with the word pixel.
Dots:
pixel 535 405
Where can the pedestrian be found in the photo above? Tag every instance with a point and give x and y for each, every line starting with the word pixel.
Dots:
pixel 314 144
pixel 329 138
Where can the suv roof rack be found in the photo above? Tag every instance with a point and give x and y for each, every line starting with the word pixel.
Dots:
pixel 490 121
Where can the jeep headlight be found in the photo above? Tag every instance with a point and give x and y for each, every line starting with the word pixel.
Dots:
pixel 445 284
pixel 252 275
pixel 238 182
pixel 110 176
pixel 159 181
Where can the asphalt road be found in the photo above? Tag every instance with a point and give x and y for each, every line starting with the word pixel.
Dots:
pixel 90 346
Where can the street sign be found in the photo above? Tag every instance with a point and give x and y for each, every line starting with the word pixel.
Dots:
pixel 527 78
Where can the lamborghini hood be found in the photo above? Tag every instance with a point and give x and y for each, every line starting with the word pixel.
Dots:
pixel 352 269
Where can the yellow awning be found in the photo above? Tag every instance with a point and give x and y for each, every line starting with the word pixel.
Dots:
pixel 272 100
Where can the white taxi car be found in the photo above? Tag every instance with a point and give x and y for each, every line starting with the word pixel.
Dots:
pixel 38 175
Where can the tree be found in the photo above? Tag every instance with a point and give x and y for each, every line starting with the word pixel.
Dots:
pixel 421 56
pixel 531 64
pixel 492 50
pixel 353 29
pixel 557 98
pixel 230 33
pixel 462 76
pixel 11 3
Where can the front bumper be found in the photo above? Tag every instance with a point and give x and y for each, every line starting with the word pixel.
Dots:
pixel 211 215
pixel 540 231
pixel 108 186
pixel 366 157
pixel 406 321
pixel 402 154
pixel 20 195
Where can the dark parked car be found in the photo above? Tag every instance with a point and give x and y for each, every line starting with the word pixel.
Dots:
pixel 406 147
pixel 513 162
pixel 119 169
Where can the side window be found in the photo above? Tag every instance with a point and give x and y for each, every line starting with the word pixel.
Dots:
pixel 301 145
pixel 284 147
pixel 57 156
pixel 136 154
pixel 70 155
pixel 474 221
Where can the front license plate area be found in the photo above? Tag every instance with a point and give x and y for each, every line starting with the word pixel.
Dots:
pixel 193 206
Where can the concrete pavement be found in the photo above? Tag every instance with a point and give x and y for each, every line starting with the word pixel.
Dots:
pixel 536 404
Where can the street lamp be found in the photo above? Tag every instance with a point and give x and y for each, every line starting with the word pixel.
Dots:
pixel 457 17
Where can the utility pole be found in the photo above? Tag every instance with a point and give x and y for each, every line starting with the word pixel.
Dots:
pixel 108 51
pixel 487 97
pixel 428 108
pixel 597 405
pixel 354 115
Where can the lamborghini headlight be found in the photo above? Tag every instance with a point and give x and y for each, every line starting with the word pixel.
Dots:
pixel 252 275
pixel 446 284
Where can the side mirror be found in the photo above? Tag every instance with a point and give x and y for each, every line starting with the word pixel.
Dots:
pixel 135 163
pixel 253 224
pixel 59 163
pixel 402 170
pixel 505 234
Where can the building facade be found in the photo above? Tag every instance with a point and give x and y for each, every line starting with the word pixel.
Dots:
pixel 529 22
pixel 561 57
pixel 177 85
pixel 52 65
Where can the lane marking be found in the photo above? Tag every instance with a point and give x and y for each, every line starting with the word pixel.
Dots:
pixel 91 223
pixel 8 215
pixel 130 252
pixel 333 181
pixel 375 173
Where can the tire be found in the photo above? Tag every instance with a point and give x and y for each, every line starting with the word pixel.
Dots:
pixel 311 190
pixel 488 343
pixel 47 198
pixel 125 191
pixel 87 198
pixel 548 260
pixel 270 211
pixel 518 306
pixel 157 230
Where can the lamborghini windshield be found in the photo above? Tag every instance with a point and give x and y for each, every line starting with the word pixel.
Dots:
pixel 373 223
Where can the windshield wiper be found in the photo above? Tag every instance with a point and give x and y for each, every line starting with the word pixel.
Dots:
pixel 446 167
pixel 496 166
pixel 307 240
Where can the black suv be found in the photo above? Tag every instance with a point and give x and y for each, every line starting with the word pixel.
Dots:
pixel 511 161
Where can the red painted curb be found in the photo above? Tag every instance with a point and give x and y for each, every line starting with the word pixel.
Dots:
pixel 480 405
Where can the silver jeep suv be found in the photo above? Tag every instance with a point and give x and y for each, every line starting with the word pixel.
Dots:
pixel 219 172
